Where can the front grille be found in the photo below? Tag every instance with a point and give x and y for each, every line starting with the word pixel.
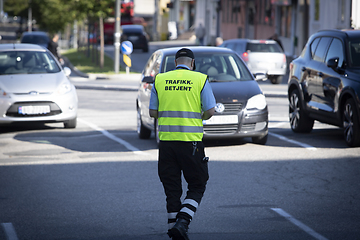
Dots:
pixel 220 129
pixel 13 110
pixel 232 107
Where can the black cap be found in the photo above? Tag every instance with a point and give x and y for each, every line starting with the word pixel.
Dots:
pixel 184 52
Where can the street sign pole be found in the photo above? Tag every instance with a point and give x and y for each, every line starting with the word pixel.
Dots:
pixel 127 49
pixel 117 37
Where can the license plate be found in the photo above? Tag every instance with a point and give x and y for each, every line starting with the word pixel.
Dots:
pixel 34 109
pixel 219 119
pixel 133 38
pixel 266 65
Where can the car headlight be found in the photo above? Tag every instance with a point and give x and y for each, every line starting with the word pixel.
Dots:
pixel 256 102
pixel 64 88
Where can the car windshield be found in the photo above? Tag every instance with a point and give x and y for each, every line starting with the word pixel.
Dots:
pixel 355 53
pixel 37 39
pixel 220 67
pixel 27 62
pixel 263 47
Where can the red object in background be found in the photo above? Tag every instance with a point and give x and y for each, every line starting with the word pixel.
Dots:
pixel 127 18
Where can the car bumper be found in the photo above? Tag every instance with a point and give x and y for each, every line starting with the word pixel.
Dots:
pixel 62 107
pixel 251 124
pixel 269 71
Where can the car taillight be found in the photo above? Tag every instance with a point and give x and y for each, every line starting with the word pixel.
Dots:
pixel 284 59
pixel 245 56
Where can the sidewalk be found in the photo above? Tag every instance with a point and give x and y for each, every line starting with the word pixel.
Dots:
pixel 114 82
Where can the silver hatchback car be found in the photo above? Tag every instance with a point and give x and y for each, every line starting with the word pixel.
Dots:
pixel 264 56
pixel 34 87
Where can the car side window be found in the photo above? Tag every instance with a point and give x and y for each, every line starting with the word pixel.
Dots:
pixel 149 64
pixel 239 47
pixel 336 50
pixel 156 68
pixel 231 46
pixel 313 46
pixel 321 49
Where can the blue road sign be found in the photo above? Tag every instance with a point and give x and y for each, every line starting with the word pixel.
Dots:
pixel 126 47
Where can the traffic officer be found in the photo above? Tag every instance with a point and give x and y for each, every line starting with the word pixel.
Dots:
pixel 181 99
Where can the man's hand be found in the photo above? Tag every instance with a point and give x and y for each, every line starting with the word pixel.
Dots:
pixel 208 114
pixel 153 113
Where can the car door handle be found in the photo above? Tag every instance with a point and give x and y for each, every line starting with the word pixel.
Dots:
pixel 303 69
pixel 320 74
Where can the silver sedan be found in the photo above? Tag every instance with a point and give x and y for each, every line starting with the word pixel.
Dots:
pixel 34 87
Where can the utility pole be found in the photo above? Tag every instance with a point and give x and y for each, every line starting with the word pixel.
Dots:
pixel 117 36
pixel 30 17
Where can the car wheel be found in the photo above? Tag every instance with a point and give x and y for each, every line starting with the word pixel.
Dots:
pixel 70 123
pixel 260 140
pixel 146 49
pixel 351 123
pixel 156 127
pixel 299 121
pixel 276 79
pixel 143 132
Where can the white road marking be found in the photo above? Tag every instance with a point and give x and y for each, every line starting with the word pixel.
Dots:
pixel 299 224
pixel 114 138
pixel 304 145
pixel 9 231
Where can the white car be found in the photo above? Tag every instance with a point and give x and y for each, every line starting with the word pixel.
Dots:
pixel 34 87
pixel 261 56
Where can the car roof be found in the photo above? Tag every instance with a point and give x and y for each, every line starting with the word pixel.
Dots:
pixel 351 33
pixel 244 40
pixel 132 26
pixel 196 49
pixel 21 46
pixel 38 33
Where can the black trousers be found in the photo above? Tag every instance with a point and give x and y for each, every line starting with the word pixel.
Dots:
pixel 176 157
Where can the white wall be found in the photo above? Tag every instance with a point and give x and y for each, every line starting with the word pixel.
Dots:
pixel 144 7
pixel 330 15
pixel 355 15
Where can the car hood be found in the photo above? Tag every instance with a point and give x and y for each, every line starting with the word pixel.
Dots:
pixel 25 83
pixel 236 91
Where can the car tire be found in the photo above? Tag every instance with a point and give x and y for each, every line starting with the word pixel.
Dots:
pixel 146 49
pixel 70 123
pixel 299 121
pixel 276 79
pixel 143 132
pixel 156 127
pixel 260 140
pixel 351 123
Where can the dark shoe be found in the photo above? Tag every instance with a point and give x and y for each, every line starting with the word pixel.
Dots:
pixel 179 230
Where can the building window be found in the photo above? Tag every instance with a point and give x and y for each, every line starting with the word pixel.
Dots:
pixel 268 13
pixel 285 23
pixel 317 10
pixel 342 9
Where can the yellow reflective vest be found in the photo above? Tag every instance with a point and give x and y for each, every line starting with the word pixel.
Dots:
pixel 179 112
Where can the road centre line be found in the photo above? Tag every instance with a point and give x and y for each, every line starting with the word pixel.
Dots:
pixel 113 137
pixel 304 145
pixel 9 231
pixel 299 224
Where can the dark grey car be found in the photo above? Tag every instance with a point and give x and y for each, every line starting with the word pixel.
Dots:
pixel 241 109
pixel 324 84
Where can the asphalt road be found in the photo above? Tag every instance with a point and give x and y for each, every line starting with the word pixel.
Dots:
pixel 99 181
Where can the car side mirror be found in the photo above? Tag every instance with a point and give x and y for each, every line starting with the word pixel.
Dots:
pixel 67 71
pixel 260 76
pixel 148 79
pixel 333 63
